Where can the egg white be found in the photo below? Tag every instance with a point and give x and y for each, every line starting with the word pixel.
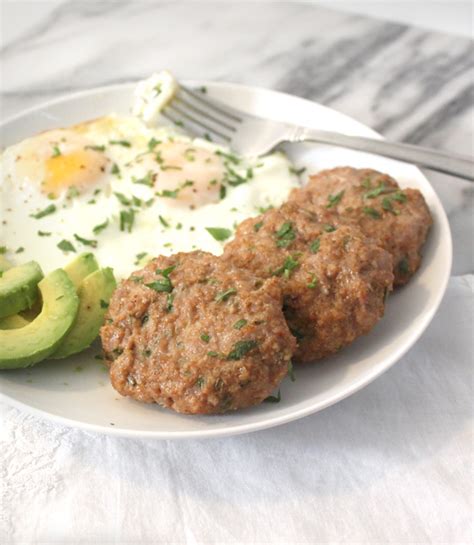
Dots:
pixel 169 214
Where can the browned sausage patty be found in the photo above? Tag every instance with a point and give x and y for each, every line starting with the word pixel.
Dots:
pixel 195 334
pixel 398 220
pixel 334 281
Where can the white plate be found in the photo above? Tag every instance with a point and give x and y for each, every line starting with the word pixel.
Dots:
pixel 84 398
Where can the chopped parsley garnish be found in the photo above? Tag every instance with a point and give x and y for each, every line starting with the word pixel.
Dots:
pixel 179 123
pixel 369 211
pixel 72 192
pixel 273 399
pixel 213 354
pixel 157 89
pixel 45 212
pixel 20 250
pixel 189 154
pixel 171 167
pixel 314 246
pixel 124 143
pixel 139 257
pixel 297 171
pixel 137 279
pixel 164 285
pixel 166 272
pixel 66 246
pixel 163 221
pixel 205 337
pixel 313 283
pixel 224 295
pixel 222 192
pixel 85 241
pixel 99 228
pixel 127 218
pixel 335 199
pixel 329 228
pixel 241 348
pixel 263 209
pixel 44 234
pixel 288 266
pixel 239 324
pixel 56 152
pixel 399 196
pixel 366 183
pixel 257 226
pixel 115 170
pixel 291 371
pixel 146 180
pixel 152 143
pixel 95 148
pixel 173 193
pixel 200 382
pixel 379 190
pixel 233 178
pixel 285 235
pixel 229 156
pixel 403 266
pixel 104 304
pixel 123 199
pixel 3 250
pixel 169 193
pixel 388 206
pixel 169 302
pixel 161 285
pixel 203 89
pixel 219 233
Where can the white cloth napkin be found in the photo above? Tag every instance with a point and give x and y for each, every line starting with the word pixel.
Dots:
pixel 391 464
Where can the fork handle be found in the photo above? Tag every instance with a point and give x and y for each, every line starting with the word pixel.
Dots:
pixel 448 163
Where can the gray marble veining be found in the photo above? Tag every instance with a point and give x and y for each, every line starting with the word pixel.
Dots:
pixel 407 83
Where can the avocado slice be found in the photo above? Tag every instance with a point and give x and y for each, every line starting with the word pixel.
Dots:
pixel 4 264
pixel 94 294
pixel 40 338
pixel 80 267
pixel 19 288
pixel 13 322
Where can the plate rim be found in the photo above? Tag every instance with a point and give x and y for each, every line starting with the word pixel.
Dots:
pixel 269 422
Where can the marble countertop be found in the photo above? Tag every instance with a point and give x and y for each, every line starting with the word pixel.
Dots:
pixel 406 83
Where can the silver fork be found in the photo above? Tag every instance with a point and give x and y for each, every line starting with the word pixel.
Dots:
pixel 249 135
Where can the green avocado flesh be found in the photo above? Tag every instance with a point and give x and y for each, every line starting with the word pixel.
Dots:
pixel 13 322
pixel 79 268
pixel 19 288
pixel 41 337
pixel 94 294
pixel 4 264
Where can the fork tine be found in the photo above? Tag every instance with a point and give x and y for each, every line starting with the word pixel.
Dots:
pixel 200 112
pixel 176 116
pixel 214 105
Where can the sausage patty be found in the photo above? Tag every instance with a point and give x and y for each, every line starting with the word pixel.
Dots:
pixel 398 220
pixel 334 281
pixel 195 334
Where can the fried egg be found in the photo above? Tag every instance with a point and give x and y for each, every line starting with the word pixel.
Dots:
pixel 128 190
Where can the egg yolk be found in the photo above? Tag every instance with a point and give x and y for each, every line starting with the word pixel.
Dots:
pixel 191 175
pixel 79 168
